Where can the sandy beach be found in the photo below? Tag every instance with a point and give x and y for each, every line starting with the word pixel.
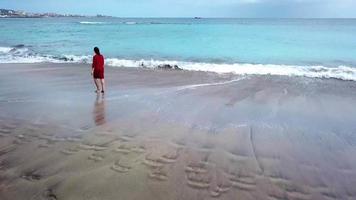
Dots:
pixel 174 135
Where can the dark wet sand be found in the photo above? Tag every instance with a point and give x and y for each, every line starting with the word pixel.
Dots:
pixel 174 135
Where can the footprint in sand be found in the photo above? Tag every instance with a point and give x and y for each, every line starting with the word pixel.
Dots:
pixel 70 151
pixel 31 176
pixel 11 126
pixel 291 191
pixel 120 167
pixel 43 146
pixel 73 139
pixel 288 195
pixel 96 157
pixel 180 143
pixel 127 148
pixel 17 142
pixel 4 132
pixel 126 138
pixel 4 165
pixel 219 190
pixel 328 194
pixel 222 186
pixel 7 129
pixel 198 181
pixel 197 175
pixel 138 149
pixel 198 168
pixel 277 197
pixel 158 175
pixel 92 147
pixel 49 195
pixel 246 183
pixel 300 195
pixel 171 157
pixel 54 140
pixel 208 147
pixel 21 139
pixel 215 193
pixel 7 149
pixel 123 148
pixel 85 128
pixel 50 139
pixel 153 162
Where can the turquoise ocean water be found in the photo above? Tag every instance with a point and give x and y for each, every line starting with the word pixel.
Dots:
pixel 306 47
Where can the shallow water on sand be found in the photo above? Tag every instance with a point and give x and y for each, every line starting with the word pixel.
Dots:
pixel 170 135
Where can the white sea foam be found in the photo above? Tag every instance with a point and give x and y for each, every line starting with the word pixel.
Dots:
pixel 130 23
pixel 76 59
pixel 22 55
pixel 5 49
pixel 92 22
pixel 25 55
pixel 96 23
pixel 340 72
pixel 27 59
pixel 194 86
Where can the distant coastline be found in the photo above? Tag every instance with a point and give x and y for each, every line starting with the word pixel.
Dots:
pixel 8 13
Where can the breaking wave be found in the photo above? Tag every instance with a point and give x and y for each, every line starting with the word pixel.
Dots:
pixel 340 72
pixel 24 54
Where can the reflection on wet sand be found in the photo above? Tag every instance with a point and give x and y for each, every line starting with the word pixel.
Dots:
pixel 99 110
pixel 273 138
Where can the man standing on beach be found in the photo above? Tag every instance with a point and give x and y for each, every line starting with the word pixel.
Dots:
pixel 98 70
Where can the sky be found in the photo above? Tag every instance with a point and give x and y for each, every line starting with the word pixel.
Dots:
pixel 192 8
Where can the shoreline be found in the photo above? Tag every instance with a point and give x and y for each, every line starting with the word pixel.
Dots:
pixel 341 72
pixel 174 134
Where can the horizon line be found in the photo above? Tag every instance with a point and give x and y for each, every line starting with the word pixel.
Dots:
pixel 172 17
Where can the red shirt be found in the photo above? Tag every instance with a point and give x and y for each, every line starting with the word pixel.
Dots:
pixel 98 62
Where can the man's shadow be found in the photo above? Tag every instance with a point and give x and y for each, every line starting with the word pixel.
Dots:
pixel 99 110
